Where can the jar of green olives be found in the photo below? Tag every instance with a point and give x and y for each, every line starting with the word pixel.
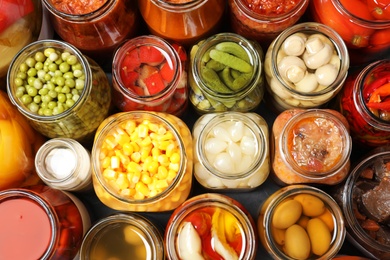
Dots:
pixel 61 92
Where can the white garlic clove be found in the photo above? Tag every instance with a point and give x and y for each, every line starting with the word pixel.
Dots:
pixel 326 74
pixel 224 163
pixel 294 44
pixel 189 243
pixel 215 145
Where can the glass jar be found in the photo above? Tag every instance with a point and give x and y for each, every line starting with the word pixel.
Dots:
pixel 184 22
pixel 64 164
pixel 123 236
pixel 312 227
pixel 20 25
pixel 142 161
pixel 211 82
pixel 366 36
pixel 197 228
pixel 305 67
pixel 264 21
pixel 96 28
pixel 39 222
pixel 310 146
pixel 72 107
pixel 231 150
pixel 150 74
pixel 369 126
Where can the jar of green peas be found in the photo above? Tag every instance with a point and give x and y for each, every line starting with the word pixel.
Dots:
pixel 61 92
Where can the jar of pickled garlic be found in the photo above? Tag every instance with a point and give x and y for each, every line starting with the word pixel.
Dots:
pixel 310 146
pixel 96 27
pixel 142 161
pixel 61 92
pixel 125 236
pixel 363 25
pixel 231 150
pixel 183 21
pixel 150 74
pixel 211 226
pixel 39 222
pixel 365 102
pixel 301 222
pixel 226 74
pixel 305 67
pixel 263 21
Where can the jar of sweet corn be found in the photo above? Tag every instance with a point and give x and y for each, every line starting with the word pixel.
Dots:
pixel 231 150
pixel 142 161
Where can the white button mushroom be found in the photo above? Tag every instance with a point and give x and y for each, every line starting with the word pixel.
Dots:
pixel 326 74
pixel 319 58
pixel 292 68
pixel 307 84
pixel 295 44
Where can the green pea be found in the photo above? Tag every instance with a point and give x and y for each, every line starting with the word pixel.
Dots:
pixel 47 77
pixel 37 99
pixel 34 107
pixel 30 81
pixel 71 59
pixel 32 91
pixel 41 74
pixel 69 102
pixel 70 83
pixel 43 91
pixel 39 56
pixel 26 99
pixel 80 84
pixel 75 97
pixel 19 93
pixel 58 73
pixel 51 105
pixel 32 72
pixel 64 67
pixel 65 90
pixel 23 67
pixel 61 97
pixel 53 56
pixel 38 84
pixel 18 82
pixel 53 67
pixel 48 112
pixel 65 55
pixel 52 93
pixel 59 61
pixel 30 62
pixel 60 81
pixel 46 98
pixel 68 75
pixel 77 73
pixel 21 75
pixel 48 51
pixel 40 111
pixel 39 65
pixel 58 110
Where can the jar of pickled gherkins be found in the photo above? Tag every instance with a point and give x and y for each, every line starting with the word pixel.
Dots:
pixel 182 21
pixel 39 222
pixel 61 92
pixel 142 161
pixel 123 236
pixel 365 103
pixel 305 67
pixel 310 146
pixel 150 74
pixel 225 74
pixel 231 150
pixel 211 226
pixel 301 222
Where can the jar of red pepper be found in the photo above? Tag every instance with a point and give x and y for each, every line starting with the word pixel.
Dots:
pixel 150 74
pixel 365 102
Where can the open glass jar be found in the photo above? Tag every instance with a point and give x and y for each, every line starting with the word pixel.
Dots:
pixel 142 161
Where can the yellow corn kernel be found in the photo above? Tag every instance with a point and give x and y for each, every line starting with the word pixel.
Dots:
pixel 115 162
pixel 134 136
pixel 161 130
pixel 127 149
pixel 122 181
pixel 142 188
pixel 153 167
pixel 163 160
pixel 174 167
pixel 153 193
pixel 123 158
pixel 171 176
pixel 129 126
pixel 175 157
pixel 161 184
pixel 145 152
pixel 165 137
pixel 133 167
pixel 122 137
pixel 109 174
pixel 162 173
pixel 155 152
pixel 170 149
pixel 136 157
pixel 162 145
pixel 136 147
pixel 145 178
pixel 153 127
pixel 143 131
pixel 136 177
pixel 146 141
pixel 110 142
pixel 106 162
pixel 138 196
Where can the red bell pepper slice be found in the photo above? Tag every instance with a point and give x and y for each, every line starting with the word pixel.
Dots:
pixel 377 98
pixel 150 55
pixel 154 83
pixel 13 10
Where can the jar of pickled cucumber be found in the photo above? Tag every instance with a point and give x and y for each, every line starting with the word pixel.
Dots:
pixel 305 67
pixel 301 222
pixel 231 150
pixel 142 161
pixel 211 226
pixel 225 74
pixel 123 236
pixel 60 91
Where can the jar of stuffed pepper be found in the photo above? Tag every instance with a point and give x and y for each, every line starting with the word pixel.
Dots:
pixel 97 27
pixel 183 21
pixel 60 91
pixel 305 67
pixel 211 226
pixel 38 222
pixel 231 151
pixel 310 146
pixel 142 161
pixel 365 102
pixel 226 74
pixel 150 74
pixel 363 25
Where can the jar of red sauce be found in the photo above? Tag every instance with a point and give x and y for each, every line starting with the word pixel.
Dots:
pixel 183 21
pixel 363 25
pixel 39 222
pixel 211 226
pixel 95 27
pixel 264 20
pixel 150 74
pixel 310 146
pixel 364 101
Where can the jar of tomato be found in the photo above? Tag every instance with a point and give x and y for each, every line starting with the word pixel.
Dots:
pixel 363 25
pixel 96 27
pixel 264 20
pixel 226 74
pixel 142 161
pixel 305 67
pixel 59 90
pixel 231 150
pixel 301 222
pixel 123 236
pixel 211 226
pixel 39 222
pixel 150 74
pixel 310 146
pixel 182 21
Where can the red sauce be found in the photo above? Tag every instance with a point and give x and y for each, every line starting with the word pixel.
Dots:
pixel 78 7
pixel 25 229
pixel 271 7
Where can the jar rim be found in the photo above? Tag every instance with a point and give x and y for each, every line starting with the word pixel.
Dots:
pixel 185 6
